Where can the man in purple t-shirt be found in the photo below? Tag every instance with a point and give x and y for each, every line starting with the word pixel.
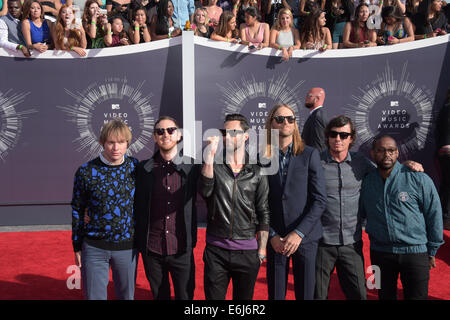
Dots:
pixel 236 195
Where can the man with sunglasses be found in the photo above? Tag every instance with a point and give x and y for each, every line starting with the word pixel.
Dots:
pixel 166 217
pixel 341 244
pixel 297 198
pixel 313 130
pixel 404 223
pixel 236 195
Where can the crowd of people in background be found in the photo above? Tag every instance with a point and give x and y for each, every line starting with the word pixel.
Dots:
pixel 285 25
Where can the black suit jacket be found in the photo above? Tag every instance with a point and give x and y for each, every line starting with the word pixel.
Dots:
pixel 144 184
pixel 314 130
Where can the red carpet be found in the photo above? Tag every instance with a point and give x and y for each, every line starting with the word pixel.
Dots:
pixel 33 266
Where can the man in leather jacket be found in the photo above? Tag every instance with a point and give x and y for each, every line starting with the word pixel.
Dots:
pixel 236 194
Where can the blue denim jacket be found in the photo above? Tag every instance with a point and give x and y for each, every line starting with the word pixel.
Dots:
pixel 404 213
pixel 182 11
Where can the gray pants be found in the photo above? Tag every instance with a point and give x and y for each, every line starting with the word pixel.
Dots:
pixel 95 272
pixel 349 263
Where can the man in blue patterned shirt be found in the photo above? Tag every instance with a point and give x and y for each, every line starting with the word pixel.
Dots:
pixel 104 188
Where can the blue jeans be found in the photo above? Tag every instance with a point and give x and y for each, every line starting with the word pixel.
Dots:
pixel 95 272
pixel 338 32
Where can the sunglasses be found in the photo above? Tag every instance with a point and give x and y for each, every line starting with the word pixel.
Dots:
pixel 342 135
pixel 160 131
pixel 232 133
pixel 280 119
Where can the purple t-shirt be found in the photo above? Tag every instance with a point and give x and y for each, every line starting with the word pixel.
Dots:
pixel 230 244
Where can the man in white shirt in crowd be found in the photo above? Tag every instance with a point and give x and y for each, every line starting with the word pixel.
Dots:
pixel 10 29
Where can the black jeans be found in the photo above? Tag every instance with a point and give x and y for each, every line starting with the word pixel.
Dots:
pixel 349 263
pixel 414 274
pixel 182 270
pixel 221 265
pixel 444 190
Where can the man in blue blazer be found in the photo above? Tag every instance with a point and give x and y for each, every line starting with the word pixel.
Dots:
pixel 297 199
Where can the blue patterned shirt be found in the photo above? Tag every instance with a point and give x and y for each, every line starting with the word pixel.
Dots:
pixel 108 193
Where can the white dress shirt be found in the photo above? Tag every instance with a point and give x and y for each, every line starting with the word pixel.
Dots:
pixel 4 43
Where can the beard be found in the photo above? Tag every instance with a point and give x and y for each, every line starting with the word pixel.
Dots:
pixel 385 166
pixel 309 105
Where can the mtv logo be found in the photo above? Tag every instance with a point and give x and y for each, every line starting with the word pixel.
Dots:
pixel 394 103
pixel 115 106
pixel 262 105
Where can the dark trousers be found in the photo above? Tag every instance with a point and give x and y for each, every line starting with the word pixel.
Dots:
pixel 221 265
pixel 181 268
pixel 444 190
pixel 303 267
pixel 414 274
pixel 349 263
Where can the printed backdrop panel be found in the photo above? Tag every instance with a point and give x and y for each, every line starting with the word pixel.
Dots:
pixel 397 93
pixel 52 111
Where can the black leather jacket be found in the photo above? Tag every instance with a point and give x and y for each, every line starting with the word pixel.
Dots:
pixel 237 206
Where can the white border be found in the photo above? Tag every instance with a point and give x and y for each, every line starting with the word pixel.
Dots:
pixel 188 76
pixel 98 53
pixel 341 53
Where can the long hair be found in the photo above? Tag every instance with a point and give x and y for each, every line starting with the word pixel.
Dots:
pixel 222 27
pixel 26 9
pixel 392 12
pixel 122 34
pixel 193 22
pixel 312 31
pixel 253 12
pixel 162 17
pixel 298 145
pixel 411 7
pixel 356 21
pixel 135 10
pixel 86 18
pixel 74 37
pixel 277 25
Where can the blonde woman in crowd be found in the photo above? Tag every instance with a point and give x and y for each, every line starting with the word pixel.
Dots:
pixel 283 35
pixel 200 23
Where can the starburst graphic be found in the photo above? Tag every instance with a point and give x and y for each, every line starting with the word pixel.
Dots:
pixel 395 106
pixel 11 120
pixel 237 95
pixel 105 101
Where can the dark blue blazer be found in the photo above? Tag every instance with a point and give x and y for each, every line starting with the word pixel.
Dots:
pixel 301 203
